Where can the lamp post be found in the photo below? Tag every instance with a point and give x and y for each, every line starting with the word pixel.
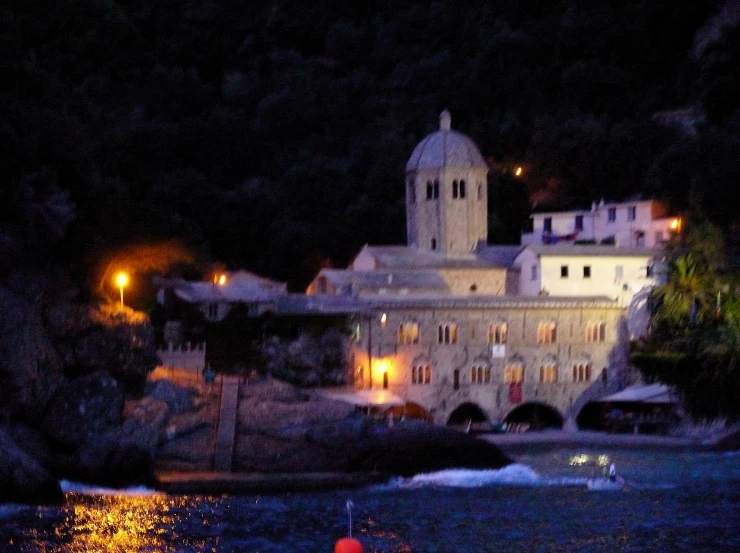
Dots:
pixel 121 281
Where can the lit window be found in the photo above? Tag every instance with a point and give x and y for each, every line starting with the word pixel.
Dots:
pixel 513 373
pixel 596 332
pixel 611 214
pixel 408 333
pixel 480 374
pixel 546 333
pixel 447 334
pixel 582 372
pixel 498 333
pixel 548 373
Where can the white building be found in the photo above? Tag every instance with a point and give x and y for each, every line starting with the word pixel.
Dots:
pixel 640 224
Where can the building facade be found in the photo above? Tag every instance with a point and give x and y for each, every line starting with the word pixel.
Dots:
pixel 459 329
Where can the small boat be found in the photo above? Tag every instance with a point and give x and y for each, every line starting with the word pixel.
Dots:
pixel 605 485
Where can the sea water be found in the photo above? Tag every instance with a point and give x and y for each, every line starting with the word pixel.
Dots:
pixel 673 502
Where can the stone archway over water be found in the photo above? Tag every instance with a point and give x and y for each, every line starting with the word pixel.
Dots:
pixel 467 413
pixel 408 411
pixel 537 415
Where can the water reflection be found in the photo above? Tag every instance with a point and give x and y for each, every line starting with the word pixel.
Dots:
pixel 145 523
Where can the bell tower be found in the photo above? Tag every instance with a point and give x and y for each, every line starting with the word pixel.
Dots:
pixel 446 192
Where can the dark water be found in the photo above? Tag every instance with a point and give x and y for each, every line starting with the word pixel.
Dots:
pixel 677 502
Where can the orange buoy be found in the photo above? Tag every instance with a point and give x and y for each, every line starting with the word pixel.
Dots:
pixel 348 545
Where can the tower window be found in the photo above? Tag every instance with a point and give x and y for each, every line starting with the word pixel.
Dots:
pixel 412 192
pixel 455 188
pixel 436 189
pixel 430 190
pixel 462 188
pixel 434 243
pixel 480 191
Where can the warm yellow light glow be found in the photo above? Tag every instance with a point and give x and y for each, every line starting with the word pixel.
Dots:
pixel 121 280
pixel 675 224
pixel 518 171
pixel 383 319
pixel 383 366
pixel 222 280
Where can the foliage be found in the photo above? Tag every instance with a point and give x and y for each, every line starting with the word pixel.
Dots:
pixel 273 135
pixel 694 345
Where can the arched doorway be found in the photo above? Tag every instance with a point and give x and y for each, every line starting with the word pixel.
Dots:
pixel 535 416
pixel 408 411
pixel 468 416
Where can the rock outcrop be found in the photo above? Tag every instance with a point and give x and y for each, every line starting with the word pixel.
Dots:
pixel 23 479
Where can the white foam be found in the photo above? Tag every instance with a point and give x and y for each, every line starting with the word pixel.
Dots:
pixel 511 475
pixel 87 489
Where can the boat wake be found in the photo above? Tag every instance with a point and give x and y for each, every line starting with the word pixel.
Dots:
pixel 511 475
pixel 87 489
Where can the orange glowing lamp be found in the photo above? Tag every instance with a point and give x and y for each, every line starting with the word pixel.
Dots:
pixel 121 280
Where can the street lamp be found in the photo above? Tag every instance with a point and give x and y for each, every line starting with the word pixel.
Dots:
pixel 121 281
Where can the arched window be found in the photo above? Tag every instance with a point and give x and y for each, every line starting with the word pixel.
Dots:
pixel 454 189
pixel 434 243
pixel 408 333
pixel 547 333
pixel 498 333
pixel 447 333
pixel 582 372
pixel 513 372
pixel 430 190
pixel 480 374
pixel 462 188
pixel 436 189
pixel 549 372
pixel 596 332
pixel 421 374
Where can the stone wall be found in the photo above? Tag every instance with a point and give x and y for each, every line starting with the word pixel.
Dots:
pixel 472 348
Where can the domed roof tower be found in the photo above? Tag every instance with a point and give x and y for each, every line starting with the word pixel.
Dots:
pixel 446 192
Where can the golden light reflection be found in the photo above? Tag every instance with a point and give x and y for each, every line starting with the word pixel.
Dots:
pixel 118 523
pixel 518 171
pixel 578 460
pixel 676 224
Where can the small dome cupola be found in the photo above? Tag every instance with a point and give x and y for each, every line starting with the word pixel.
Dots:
pixel 446 149
pixel 445 121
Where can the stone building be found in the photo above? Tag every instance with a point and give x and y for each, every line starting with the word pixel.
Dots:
pixel 454 328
